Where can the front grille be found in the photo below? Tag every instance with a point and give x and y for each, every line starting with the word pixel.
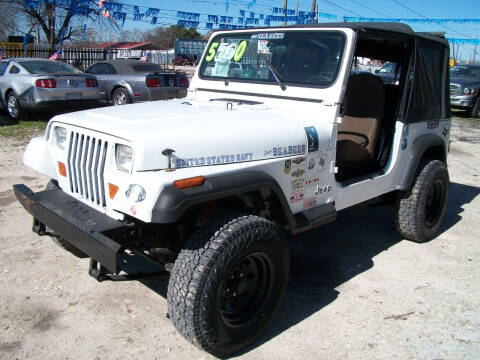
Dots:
pixel 86 164
pixel 455 89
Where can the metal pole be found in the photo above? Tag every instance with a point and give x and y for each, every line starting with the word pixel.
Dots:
pixel 285 12
pixel 314 8
pixel 52 27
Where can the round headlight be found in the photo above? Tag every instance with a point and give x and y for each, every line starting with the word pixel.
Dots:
pixel 466 91
pixel 124 157
pixel 60 136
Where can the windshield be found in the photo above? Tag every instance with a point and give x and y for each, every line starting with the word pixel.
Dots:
pixel 48 67
pixel 307 58
pixel 388 68
pixel 463 70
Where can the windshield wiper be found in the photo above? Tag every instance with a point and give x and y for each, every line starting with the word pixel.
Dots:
pixel 276 74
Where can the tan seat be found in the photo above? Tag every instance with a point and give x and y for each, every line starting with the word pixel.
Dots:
pixel 364 109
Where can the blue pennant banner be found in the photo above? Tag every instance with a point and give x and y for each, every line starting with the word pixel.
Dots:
pixel 412 21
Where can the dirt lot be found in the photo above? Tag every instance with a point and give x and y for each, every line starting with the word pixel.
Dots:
pixel 357 290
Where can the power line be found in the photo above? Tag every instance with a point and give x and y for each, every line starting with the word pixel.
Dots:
pixel 369 8
pixel 416 12
pixel 338 6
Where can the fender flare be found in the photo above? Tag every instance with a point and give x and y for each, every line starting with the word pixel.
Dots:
pixel 172 202
pixel 419 147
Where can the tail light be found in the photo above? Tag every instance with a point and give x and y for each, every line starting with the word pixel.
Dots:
pixel 46 83
pixel 184 82
pixel 91 82
pixel 153 82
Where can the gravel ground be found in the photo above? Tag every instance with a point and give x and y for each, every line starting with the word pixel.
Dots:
pixel 357 290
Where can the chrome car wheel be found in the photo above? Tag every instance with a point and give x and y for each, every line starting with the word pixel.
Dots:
pixel 120 97
pixel 12 106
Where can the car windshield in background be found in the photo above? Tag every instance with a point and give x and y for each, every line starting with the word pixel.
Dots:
pixel 298 57
pixel 143 68
pixel 465 70
pixel 388 68
pixel 48 67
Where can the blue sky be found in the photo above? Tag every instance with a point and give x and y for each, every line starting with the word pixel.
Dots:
pixel 364 8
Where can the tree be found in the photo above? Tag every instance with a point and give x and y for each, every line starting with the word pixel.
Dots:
pixel 9 21
pixel 46 14
pixel 165 37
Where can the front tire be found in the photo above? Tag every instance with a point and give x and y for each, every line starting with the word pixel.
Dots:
pixel 227 283
pixel 475 111
pixel 14 109
pixel 420 211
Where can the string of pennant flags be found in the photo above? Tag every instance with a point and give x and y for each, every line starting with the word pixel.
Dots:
pixel 120 12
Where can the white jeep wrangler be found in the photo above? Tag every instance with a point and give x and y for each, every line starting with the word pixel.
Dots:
pixel 277 135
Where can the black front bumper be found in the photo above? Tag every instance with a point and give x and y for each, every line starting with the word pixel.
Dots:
pixel 82 226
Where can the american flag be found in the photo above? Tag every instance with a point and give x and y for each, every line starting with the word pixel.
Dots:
pixel 145 58
pixel 3 53
pixel 57 56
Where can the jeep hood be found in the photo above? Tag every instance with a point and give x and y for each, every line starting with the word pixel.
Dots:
pixel 201 133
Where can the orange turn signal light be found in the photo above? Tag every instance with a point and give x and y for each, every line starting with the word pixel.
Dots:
pixel 112 190
pixel 189 183
pixel 62 170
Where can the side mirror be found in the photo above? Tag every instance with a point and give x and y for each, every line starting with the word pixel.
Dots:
pixel 377 71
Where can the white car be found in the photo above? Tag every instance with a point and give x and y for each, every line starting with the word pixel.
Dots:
pixel 275 133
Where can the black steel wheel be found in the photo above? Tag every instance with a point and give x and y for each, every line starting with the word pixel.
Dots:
pixel 228 282
pixel 120 97
pixel 245 289
pixel 420 211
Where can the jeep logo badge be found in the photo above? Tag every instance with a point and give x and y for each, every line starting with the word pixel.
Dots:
pixel 72 83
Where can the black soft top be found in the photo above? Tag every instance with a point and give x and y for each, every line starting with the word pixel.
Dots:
pixel 393 27
pixel 131 66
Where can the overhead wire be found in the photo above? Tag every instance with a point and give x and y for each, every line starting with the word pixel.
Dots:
pixel 423 16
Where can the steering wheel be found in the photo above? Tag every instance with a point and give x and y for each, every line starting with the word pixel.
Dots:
pixel 365 141
pixel 318 78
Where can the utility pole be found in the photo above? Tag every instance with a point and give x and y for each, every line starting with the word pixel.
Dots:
pixel 284 12
pixel 314 8
pixel 474 52
pixel 52 27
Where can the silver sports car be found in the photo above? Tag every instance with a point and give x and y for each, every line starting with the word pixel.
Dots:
pixel 28 85
pixel 123 81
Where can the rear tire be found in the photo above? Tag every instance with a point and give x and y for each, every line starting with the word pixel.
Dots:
pixel 420 211
pixel 120 97
pixel 59 240
pixel 227 283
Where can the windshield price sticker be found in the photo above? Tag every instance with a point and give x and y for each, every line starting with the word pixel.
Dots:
pixel 263 47
pixel 226 51
pixel 268 36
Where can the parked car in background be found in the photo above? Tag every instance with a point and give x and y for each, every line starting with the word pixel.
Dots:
pixel 464 88
pixel 182 60
pixel 124 81
pixel 35 85
pixel 389 73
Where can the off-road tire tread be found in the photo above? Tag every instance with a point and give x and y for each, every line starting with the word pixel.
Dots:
pixel 410 205
pixel 201 264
